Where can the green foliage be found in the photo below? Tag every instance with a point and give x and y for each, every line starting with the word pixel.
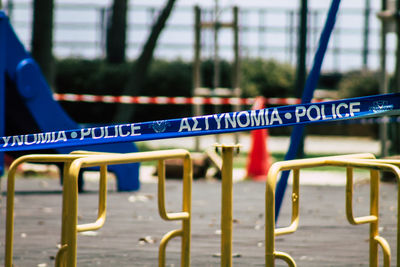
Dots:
pixel 169 79
pixel 359 83
pixel 207 74
pixel 75 73
pixel 268 78
pixel 91 76
pixel 165 78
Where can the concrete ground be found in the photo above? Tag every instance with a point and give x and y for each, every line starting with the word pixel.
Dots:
pixel 133 228
pixel 312 144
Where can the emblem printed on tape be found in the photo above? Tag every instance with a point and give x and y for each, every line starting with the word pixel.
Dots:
pixel 381 106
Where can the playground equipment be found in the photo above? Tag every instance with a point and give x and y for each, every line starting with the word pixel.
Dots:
pixel 73 163
pixel 66 159
pixel 27 105
pixel 198 90
pixel 350 162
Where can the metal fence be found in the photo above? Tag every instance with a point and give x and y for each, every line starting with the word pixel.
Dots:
pixel 264 32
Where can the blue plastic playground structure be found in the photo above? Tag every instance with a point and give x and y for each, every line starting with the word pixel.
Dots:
pixel 27 105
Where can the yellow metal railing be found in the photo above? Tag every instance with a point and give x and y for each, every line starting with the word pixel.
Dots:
pixel 365 161
pixel 70 226
pixel 73 164
pixel 397 164
pixel 102 202
pixel 66 159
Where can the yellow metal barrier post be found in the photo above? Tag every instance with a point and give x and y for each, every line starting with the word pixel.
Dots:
pixel 270 232
pixel 348 161
pixel 70 226
pixel 102 204
pixel 8 259
pixel 226 203
pixel 396 163
pixel 372 219
pixel 184 215
pixel 68 211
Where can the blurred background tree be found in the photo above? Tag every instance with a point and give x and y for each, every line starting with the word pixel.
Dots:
pixel 42 37
pixel 116 32
pixel 140 68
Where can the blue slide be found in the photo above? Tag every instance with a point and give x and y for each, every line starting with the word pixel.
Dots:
pixel 27 106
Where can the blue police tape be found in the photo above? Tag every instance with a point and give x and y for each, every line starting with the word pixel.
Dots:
pixel 370 106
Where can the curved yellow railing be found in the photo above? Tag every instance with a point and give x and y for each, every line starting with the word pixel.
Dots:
pixel 349 162
pixel 70 226
pixel 102 202
pixel 73 163
pixel 66 159
pixel 184 215
pixel 395 163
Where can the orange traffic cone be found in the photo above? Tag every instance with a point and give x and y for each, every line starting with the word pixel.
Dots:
pixel 258 160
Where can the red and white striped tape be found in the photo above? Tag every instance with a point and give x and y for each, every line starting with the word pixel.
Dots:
pixel 175 100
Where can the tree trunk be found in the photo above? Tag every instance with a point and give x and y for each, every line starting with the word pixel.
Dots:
pixel 395 139
pixel 116 32
pixel 125 112
pixel 301 71
pixel 42 37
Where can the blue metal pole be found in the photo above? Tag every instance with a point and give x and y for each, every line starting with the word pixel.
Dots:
pixel 3 20
pixel 311 84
